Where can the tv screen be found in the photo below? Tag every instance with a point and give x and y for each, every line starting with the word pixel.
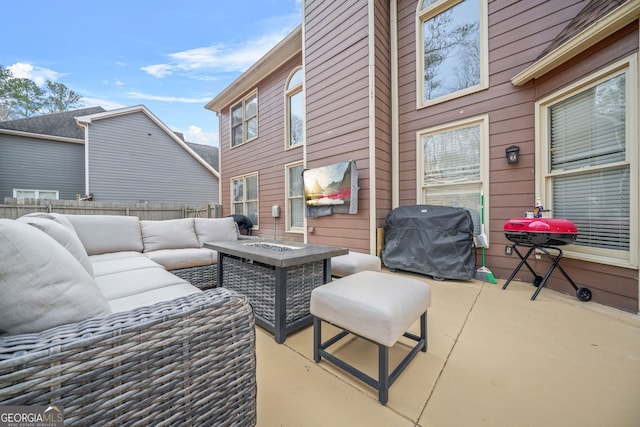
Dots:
pixel 328 185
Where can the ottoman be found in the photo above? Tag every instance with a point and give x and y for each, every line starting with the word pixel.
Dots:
pixel 375 306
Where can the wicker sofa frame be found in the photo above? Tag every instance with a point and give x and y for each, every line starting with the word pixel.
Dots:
pixel 189 361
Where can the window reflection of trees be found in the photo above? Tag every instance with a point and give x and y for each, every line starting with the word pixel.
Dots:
pixel 451 51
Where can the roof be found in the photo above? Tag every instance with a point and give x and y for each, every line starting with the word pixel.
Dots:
pixel 90 118
pixel 209 153
pixel 282 52
pixel 591 13
pixel 57 124
pixel 596 21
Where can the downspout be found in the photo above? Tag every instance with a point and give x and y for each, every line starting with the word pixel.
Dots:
pixel 395 130
pixel 85 126
pixel 372 129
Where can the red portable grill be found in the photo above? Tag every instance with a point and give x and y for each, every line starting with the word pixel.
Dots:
pixel 542 234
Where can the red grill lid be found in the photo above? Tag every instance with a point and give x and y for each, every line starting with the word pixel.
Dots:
pixel 540 231
pixel 541 225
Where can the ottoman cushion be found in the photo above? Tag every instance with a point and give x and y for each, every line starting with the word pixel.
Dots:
pixel 354 262
pixel 377 306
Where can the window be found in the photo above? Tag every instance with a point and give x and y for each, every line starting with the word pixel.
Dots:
pixel 244 196
pixel 36 194
pixel 587 163
pixel 455 166
pixel 452 49
pixel 294 108
pixel 295 198
pixel 244 120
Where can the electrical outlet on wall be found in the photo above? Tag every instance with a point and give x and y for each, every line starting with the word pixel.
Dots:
pixel 508 250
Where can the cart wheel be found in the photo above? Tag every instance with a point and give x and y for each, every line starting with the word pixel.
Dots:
pixel 537 280
pixel 438 278
pixel 583 294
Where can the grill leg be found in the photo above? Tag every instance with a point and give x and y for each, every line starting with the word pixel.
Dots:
pixel 523 261
pixel 555 263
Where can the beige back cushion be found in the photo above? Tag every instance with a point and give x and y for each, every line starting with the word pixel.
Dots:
pixel 62 231
pixel 41 284
pixel 101 234
pixel 168 234
pixel 215 230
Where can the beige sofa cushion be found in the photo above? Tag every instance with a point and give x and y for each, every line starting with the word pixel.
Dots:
pixel 168 234
pixel 172 259
pixel 41 284
pixel 128 283
pixel 107 233
pixel 215 230
pixel 62 231
pixel 152 296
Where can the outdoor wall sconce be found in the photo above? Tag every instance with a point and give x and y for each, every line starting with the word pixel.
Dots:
pixel 513 154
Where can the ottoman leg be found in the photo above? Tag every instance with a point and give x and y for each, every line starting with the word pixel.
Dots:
pixel 383 374
pixel 317 338
pixel 423 330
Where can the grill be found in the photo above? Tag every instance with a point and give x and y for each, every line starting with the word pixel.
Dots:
pixel 540 231
pixel 543 235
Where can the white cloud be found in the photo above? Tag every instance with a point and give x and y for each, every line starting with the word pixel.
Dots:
pixel 139 95
pixel 98 102
pixel 195 134
pixel 38 74
pixel 219 57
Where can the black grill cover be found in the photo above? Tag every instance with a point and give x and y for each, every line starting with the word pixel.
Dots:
pixel 433 240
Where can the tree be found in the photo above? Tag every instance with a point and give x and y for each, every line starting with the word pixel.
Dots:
pixel 22 97
pixel 60 98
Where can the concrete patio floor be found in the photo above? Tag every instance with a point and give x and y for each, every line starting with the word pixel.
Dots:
pixel 494 358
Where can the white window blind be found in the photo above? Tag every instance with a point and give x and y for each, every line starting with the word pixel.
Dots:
pixel 587 157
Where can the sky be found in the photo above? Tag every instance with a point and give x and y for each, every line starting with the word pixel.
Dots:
pixel 171 56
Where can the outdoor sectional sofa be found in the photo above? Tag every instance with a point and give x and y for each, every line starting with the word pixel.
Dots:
pixel 113 320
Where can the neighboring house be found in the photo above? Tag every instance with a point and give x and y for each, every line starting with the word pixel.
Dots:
pixel 126 154
pixel 427 97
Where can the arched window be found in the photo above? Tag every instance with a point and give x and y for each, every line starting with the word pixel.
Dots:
pixel 294 108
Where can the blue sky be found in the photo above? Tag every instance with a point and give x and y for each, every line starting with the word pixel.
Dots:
pixel 171 56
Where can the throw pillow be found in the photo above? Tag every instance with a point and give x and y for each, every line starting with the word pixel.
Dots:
pixel 216 230
pixel 41 284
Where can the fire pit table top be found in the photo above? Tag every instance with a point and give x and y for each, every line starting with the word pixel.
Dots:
pixel 278 253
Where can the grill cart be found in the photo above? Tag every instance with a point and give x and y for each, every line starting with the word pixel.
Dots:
pixel 542 234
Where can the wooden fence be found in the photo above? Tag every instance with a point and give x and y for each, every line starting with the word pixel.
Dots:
pixel 15 208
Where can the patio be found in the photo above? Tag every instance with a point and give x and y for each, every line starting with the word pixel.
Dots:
pixel 495 358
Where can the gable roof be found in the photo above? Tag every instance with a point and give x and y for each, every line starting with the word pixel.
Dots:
pixel 86 120
pixel 209 153
pixel 57 124
pixel 596 21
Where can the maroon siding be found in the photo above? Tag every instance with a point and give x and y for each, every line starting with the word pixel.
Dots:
pixel 518 33
pixel 337 105
pixel 265 155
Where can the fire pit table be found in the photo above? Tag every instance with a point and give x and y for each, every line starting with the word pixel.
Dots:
pixel 277 277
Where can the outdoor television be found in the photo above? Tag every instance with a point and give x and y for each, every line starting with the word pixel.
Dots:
pixel 328 185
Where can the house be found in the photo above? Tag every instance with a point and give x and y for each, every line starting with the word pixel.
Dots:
pixel 428 98
pixel 126 154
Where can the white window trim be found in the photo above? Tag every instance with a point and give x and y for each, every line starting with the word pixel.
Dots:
pixel 288 93
pixel 37 193
pixel 543 181
pixel 244 137
pixel 483 121
pixel 244 202
pixel 289 228
pixel 423 15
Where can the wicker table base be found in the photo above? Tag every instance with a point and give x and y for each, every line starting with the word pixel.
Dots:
pixel 278 284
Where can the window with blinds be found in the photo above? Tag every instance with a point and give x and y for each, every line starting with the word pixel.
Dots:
pixel 588 171
pixel 453 168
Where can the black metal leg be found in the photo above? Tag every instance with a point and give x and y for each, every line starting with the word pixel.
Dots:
pixel 383 374
pixel 317 338
pixel 423 330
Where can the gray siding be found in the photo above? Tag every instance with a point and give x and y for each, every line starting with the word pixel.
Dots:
pixel 132 159
pixel 30 163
